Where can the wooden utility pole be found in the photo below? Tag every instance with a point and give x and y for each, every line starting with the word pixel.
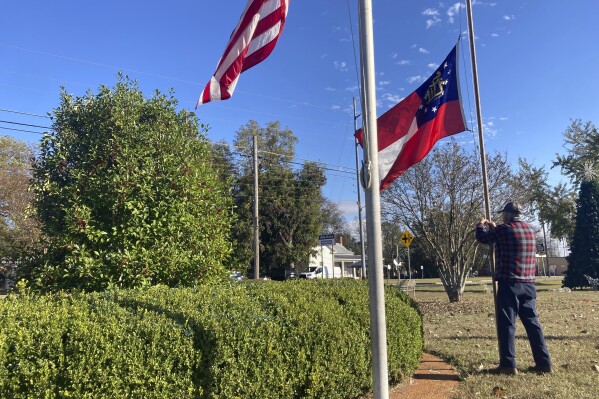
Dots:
pixel 256 221
pixel 361 227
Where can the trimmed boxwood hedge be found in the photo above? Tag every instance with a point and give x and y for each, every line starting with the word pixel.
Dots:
pixel 303 339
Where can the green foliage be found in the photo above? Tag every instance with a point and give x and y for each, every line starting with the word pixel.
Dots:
pixel 277 145
pixel 582 143
pixel 302 339
pixel 289 199
pixel 584 249
pixel 224 162
pixel 89 347
pixel 290 213
pixel 127 194
pixel 552 205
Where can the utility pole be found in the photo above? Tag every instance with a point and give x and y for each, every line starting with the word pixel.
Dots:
pixel 409 265
pixel 321 262
pixel 363 253
pixel 398 265
pixel 256 224
pixel 333 256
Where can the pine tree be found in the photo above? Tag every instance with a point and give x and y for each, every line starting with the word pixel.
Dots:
pixel 584 249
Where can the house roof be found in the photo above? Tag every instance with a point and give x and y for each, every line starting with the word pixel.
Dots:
pixel 339 249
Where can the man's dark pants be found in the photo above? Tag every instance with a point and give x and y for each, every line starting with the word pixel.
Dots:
pixel 518 299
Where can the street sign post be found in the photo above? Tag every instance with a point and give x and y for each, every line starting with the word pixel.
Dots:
pixel 326 239
pixel 407 238
pixel 540 248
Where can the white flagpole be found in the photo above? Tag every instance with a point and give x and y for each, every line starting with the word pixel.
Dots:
pixel 373 208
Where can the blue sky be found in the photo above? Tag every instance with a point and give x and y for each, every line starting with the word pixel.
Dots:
pixel 537 63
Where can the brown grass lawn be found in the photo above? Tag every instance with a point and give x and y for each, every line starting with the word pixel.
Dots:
pixel 464 335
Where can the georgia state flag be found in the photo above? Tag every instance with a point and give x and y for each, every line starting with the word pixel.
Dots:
pixel 409 130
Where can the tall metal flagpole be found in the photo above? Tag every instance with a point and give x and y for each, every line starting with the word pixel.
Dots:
pixel 363 253
pixel 370 177
pixel 482 148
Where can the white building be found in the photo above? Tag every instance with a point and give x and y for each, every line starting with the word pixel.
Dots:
pixel 335 255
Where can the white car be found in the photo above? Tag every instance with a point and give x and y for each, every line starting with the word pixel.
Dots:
pixel 315 272
pixel 236 276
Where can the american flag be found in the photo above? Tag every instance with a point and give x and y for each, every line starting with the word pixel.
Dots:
pixel 251 42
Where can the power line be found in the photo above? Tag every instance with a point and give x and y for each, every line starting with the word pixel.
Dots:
pixel 25 124
pixel 351 27
pixel 20 130
pixel 340 168
pixel 155 75
pixel 333 168
pixel 326 166
pixel 24 113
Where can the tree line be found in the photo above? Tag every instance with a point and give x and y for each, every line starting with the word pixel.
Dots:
pixel 440 198
pixel 128 191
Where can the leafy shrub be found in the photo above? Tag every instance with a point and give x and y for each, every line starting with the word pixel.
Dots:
pixel 89 347
pixel 301 339
pixel 127 195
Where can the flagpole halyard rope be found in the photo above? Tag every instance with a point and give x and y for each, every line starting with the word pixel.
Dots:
pixel 353 40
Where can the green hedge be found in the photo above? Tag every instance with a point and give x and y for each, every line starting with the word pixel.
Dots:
pixel 301 339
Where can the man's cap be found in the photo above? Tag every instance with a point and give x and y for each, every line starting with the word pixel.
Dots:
pixel 511 207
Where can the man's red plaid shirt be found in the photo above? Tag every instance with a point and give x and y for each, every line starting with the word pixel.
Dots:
pixel 515 249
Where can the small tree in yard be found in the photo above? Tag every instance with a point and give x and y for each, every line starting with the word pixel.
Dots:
pixel 19 233
pixel 584 248
pixel 439 200
pixel 126 194
pixel 554 206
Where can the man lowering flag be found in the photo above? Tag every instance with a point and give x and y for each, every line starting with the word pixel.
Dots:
pixel 409 130
pixel 251 42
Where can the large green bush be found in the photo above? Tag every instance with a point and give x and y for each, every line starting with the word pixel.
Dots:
pixel 257 340
pixel 127 195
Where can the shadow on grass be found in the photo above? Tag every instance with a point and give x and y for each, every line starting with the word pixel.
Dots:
pixel 438 377
pixel 521 336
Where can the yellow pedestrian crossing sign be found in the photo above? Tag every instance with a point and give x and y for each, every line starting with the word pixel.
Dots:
pixel 407 238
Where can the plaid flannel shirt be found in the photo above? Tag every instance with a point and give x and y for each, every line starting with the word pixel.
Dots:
pixel 515 249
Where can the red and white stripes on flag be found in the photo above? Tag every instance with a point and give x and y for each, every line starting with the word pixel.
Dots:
pixel 251 42
pixel 409 130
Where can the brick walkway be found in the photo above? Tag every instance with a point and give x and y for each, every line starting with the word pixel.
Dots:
pixel 434 379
